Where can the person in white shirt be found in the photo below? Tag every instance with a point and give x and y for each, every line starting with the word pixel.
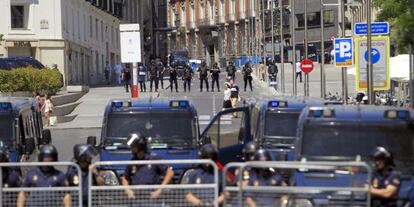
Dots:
pixel 118 71
pixel 298 71
pixel 227 93
pixel 48 109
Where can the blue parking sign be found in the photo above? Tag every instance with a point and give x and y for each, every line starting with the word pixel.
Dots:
pixel 343 52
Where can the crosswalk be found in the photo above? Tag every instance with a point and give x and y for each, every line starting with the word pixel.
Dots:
pixel 205 120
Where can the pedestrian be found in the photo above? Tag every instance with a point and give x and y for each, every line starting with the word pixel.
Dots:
pixel 161 70
pixel 118 71
pixel 44 176
pixel 262 69
pixel 203 174
pixel 234 96
pixel 126 78
pixel 153 76
pixel 187 76
pixel 332 56
pixel 107 72
pixel 215 75
pixel 231 71
pixel 386 181
pixel 173 79
pixel 298 71
pixel 10 176
pixel 247 76
pixel 82 156
pixel 272 71
pixel 48 109
pixel 37 98
pixel 264 177
pixel 144 174
pixel 203 74
pixel 142 77
pixel 227 93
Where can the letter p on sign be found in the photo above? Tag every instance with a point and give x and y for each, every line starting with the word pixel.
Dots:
pixel 344 49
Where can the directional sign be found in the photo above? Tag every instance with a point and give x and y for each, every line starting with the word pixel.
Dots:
pixel 306 65
pixel 343 52
pixel 377 28
pixel 380 61
pixel 130 43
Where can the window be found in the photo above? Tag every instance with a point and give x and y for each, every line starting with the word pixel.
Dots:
pixel 90 27
pixel 102 30
pixel 182 15
pixel 96 28
pixel 18 17
pixel 313 19
pixel 328 17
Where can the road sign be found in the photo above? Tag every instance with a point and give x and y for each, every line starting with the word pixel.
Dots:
pixel 130 43
pixel 377 28
pixel 306 65
pixel 343 52
pixel 131 51
pixel 380 61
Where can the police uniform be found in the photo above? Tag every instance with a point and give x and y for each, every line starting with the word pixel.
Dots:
pixel 247 77
pixel 201 176
pixel 11 178
pixel 142 74
pixel 203 76
pixel 154 76
pixel 255 179
pixel 187 76
pixel 145 174
pixel 173 79
pixel 381 181
pixel 72 177
pixel 215 74
pixel 38 178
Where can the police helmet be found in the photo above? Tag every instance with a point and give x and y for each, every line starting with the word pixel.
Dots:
pixel 137 141
pixel 4 157
pixel 208 151
pixel 262 155
pixel 48 151
pixel 249 150
pixel 84 150
pixel 382 153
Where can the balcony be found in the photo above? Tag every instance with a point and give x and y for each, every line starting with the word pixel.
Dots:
pixel 231 17
pixel 241 15
pixel 206 23
pixel 220 19
pixel 191 24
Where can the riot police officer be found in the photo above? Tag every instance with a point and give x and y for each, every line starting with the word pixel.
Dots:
pixel 248 152
pixel 154 76
pixel 264 177
pixel 203 174
pixel 231 71
pixel 173 79
pixel 247 76
pixel 187 76
pixel 144 174
pixel 386 181
pixel 203 72
pixel 215 74
pixel 161 70
pixel 44 176
pixel 11 177
pixel 83 155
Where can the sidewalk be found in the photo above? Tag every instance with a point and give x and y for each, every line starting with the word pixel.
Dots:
pixel 90 111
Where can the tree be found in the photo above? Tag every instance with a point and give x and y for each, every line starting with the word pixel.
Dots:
pixel 399 13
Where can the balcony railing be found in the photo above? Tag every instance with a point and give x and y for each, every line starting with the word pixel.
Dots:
pixel 231 17
pixel 191 24
pixel 206 22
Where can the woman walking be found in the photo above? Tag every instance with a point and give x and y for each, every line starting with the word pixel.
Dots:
pixel 48 109
pixel 227 93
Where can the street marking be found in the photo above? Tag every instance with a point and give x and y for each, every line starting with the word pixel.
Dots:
pixel 215 123
pixel 204 117
pixel 214 104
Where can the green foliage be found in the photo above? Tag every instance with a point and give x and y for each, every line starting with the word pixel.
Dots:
pixel 30 79
pixel 399 13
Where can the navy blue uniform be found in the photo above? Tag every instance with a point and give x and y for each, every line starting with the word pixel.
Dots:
pixel 37 178
pixel 145 174
pixel 381 181
pixel 11 178
pixel 72 177
pixel 201 176
pixel 262 198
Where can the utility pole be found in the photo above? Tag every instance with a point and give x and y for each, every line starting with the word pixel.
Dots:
pixel 344 72
pixel 323 87
pixel 305 46
pixel 273 36
pixel 282 49
pixel 293 26
pixel 370 81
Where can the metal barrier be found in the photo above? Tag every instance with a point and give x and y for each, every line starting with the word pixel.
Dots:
pixel 39 196
pixel 306 184
pixel 172 194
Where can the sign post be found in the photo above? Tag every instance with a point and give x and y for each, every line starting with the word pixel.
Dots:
pixel 306 66
pixel 380 57
pixel 131 51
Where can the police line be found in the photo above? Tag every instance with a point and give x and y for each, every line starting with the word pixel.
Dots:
pixel 236 193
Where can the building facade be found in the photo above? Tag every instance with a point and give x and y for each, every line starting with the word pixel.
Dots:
pixel 80 37
pixel 214 30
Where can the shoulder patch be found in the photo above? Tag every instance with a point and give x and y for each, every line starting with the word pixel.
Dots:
pixel 35 178
pixel 396 181
pixel 75 180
